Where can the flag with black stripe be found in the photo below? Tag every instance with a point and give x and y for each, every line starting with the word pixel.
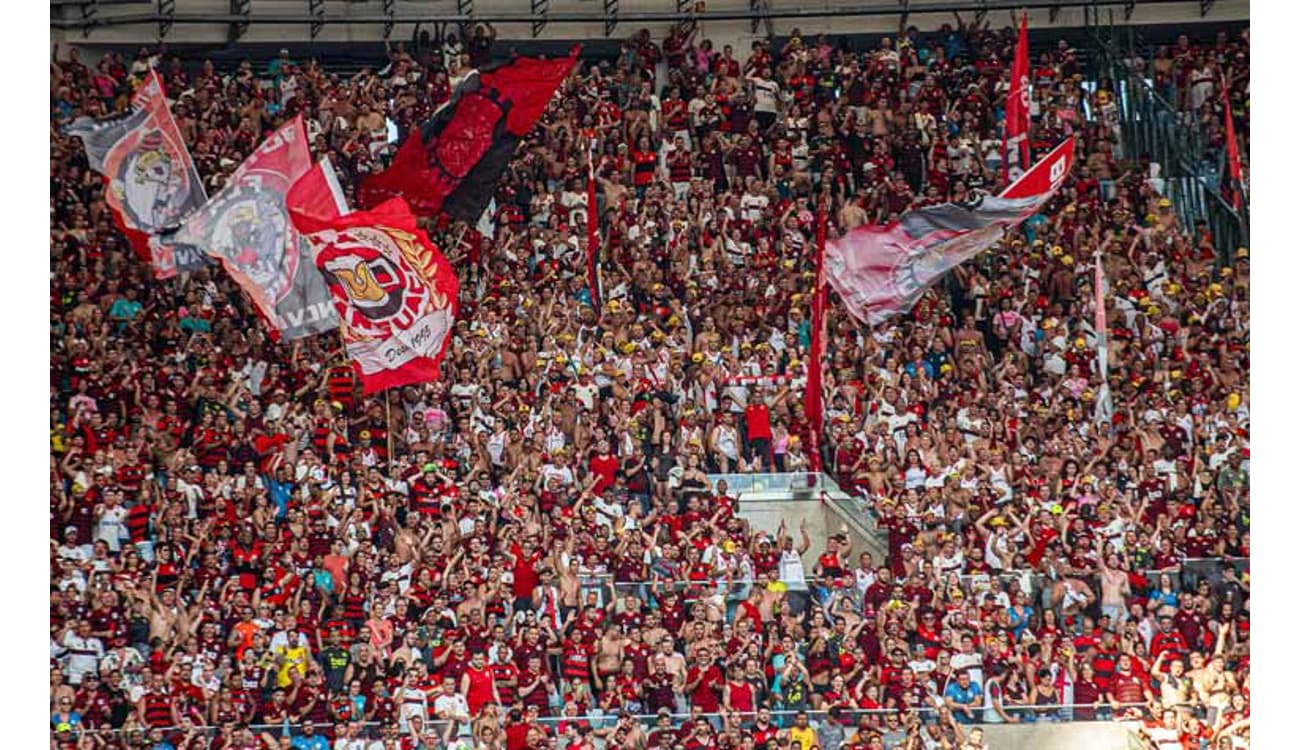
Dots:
pixel 452 162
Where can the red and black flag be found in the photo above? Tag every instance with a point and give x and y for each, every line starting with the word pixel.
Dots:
pixel 1233 185
pixel 151 180
pixel 452 162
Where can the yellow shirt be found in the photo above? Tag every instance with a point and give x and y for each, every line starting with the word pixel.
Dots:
pixel 294 658
pixel 806 737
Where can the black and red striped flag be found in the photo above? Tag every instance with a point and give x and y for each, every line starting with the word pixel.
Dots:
pixel 453 161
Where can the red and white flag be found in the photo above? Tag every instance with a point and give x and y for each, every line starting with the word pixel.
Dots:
pixel 151 181
pixel 395 293
pixel 880 271
pixel 1015 140
pixel 246 228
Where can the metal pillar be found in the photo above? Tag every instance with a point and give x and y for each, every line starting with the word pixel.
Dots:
pixel 242 11
pixel 167 14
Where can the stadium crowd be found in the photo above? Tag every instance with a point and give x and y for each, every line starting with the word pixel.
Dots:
pixel 529 553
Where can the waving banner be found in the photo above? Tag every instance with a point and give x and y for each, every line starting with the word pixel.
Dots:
pixel 246 227
pixel 1015 137
pixel 880 271
pixel 452 162
pixel 151 180
pixel 395 293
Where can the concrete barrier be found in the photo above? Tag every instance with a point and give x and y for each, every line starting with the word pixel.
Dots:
pixel 1079 735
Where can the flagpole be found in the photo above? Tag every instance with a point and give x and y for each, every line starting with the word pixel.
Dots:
pixel 388 417
pixel 813 406
pixel 593 230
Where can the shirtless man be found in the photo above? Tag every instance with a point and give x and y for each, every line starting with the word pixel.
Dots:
pixel 608 659
pixel 772 596
pixel 674 662
pixel 1114 587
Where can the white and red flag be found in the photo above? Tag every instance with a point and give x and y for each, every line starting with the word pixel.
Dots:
pixel 880 271
pixel 395 293
pixel 151 181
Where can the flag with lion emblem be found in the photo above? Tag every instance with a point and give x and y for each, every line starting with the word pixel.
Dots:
pixel 151 180
pixel 246 226
pixel 395 293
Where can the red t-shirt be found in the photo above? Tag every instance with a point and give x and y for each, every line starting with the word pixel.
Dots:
pixel 605 468
pixel 758 422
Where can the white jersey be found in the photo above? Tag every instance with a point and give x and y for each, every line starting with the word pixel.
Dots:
pixel 791 569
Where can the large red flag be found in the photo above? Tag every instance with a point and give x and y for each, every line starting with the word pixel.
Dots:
pixel 151 180
pixel 453 161
pixel 880 271
pixel 1234 155
pixel 395 293
pixel 812 396
pixel 1015 140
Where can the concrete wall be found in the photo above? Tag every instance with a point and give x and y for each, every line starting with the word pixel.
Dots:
pixel 1093 735
pixel 765 511
pixel 736 32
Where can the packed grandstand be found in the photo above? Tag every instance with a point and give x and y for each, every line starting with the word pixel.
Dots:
pixel 534 549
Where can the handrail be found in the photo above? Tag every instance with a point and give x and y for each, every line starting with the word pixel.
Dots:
pixel 1149 122
pixel 597 719
pixel 598 580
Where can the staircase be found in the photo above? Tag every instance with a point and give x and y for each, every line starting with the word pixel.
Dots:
pixel 813 499
pixel 1150 124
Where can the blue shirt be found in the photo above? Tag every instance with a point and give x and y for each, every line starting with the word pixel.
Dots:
pixel 1020 623
pixel 314 742
pixel 125 309
pixel 970 696
pixel 280 493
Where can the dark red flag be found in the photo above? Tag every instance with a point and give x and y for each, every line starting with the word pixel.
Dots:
pixel 452 162
pixel 1234 156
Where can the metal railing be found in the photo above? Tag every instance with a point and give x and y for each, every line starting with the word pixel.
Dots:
pixel 598 720
pixel 802 485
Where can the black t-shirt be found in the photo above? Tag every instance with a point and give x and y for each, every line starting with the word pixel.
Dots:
pixel 335 660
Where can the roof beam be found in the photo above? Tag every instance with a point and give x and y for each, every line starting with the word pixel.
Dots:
pixel 665 16
pixel 611 16
pixel 317 10
pixel 241 12
pixel 538 9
